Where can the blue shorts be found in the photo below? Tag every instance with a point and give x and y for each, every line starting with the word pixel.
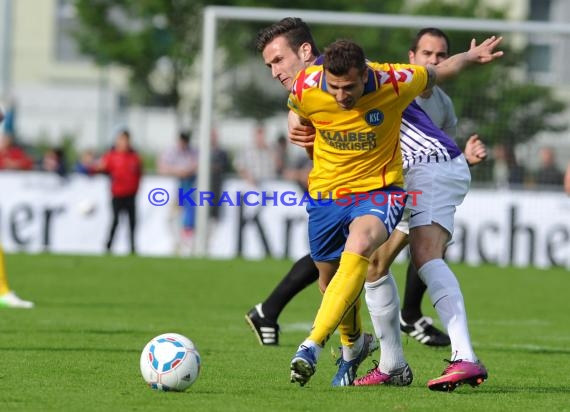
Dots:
pixel 329 219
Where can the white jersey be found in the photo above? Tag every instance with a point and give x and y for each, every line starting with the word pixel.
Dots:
pixel 422 141
pixel 439 108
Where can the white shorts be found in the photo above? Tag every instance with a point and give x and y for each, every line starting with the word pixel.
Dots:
pixel 440 188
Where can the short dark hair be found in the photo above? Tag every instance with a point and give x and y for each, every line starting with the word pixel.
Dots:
pixel 295 30
pixel 185 136
pixel 432 31
pixel 125 132
pixel 343 55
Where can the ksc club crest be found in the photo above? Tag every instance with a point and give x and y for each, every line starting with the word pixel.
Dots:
pixel 374 117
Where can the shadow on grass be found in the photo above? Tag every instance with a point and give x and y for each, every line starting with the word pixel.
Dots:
pixel 527 350
pixel 520 390
pixel 71 331
pixel 69 349
pixel 97 305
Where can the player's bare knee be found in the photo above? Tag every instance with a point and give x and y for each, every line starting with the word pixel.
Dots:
pixel 361 245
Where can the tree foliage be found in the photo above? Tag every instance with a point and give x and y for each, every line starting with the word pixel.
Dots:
pixel 158 40
pixel 155 40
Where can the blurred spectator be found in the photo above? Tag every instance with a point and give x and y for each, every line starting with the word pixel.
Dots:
pixel 506 171
pixel 567 180
pixel 220 166
pixel 281 156
pixel 54 161
pixel 548 173
pixel 86 163
pixel 256 162
pixel 10 118
pixel 124 167
pixel 299 172
pixel 181 162
pixel 12 157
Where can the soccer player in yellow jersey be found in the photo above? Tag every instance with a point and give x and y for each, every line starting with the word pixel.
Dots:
pixel 357 164
pixel 356 109
pixel 8 298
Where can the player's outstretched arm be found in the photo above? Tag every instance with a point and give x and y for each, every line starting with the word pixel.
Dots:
pixel 482 54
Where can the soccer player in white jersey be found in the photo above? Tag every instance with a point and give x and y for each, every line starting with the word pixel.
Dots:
pixel 443 179
pixel 431 46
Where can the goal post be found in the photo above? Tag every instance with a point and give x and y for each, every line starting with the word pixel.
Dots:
pixel 213 14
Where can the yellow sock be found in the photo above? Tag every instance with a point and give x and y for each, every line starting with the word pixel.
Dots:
pixel 350 326
pixel 341 294
pixel 3 278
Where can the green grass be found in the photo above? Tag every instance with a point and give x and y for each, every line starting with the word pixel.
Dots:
pixel 78 350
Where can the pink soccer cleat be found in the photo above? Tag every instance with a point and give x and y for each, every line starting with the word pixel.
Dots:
pixel 457 373
pixel 400 377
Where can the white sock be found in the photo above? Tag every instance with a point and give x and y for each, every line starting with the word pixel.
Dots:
pixel 384 307
pixel 446 297
pixel 311 344
pixel 350 353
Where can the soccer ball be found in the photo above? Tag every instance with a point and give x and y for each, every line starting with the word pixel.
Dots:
pixel 170 362
pixel 86 207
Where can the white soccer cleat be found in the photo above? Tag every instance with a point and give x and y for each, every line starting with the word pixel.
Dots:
pixel 11 300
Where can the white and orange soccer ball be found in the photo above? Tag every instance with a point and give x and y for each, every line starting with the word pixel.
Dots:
pixel 170 362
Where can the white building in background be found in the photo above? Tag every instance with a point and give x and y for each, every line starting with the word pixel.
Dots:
pixel 58 92
pixel 547 61
pixel 549 64
pixel 55 91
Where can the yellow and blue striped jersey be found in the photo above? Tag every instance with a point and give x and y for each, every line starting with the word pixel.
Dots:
pixel 357 150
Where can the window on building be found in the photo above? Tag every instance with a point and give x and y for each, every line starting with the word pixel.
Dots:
pixel 539 58
pixel 539 10
pixel 66 49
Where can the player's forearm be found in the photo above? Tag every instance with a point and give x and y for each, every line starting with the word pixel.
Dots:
pixel 451 67
pixel 301 132
pixel 482 54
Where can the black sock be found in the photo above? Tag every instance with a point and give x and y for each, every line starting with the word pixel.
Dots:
pixel 415 289
pixel 302 274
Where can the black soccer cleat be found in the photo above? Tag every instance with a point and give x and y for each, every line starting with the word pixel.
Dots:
pixel 424 332
pixel 266 331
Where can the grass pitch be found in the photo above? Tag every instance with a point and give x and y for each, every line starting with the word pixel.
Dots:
pixel 79 349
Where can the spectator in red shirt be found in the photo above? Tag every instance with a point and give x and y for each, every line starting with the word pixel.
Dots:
pixel 12 157
pixel 124 167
